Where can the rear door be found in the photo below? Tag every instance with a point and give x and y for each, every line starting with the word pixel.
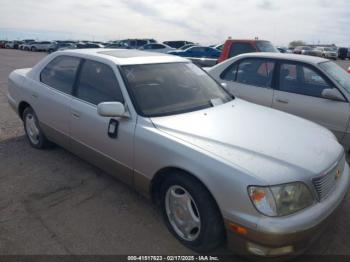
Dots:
pixel 250 79
pixel 90 132
pixel 299 92
pixel 54 95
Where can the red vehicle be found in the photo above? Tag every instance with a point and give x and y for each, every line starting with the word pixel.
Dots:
pixel 233 47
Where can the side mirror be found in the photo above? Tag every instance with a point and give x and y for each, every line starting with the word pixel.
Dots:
pixel 333 94
pixel 111 109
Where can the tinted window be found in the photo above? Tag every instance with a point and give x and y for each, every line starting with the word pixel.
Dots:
pixel 97 83
pixel 241 48
pixel 299 79
pixel 60 73
pixel 256 72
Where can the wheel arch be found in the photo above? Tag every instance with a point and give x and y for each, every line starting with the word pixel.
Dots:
pixel 161 176
pixel 21 107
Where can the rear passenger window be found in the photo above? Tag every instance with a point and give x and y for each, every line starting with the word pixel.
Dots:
pixel 241 48
pixel 60 73
pixel 255 72
pixel 97 83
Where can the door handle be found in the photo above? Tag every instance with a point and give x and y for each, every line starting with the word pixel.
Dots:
pixel 282 100
pixel 75 114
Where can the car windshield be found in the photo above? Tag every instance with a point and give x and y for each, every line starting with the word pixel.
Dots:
pixel 266 46
pixel 172 88
pixel 337 73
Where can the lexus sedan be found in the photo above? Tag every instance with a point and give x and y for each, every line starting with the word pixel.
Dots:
pixel 310 87
pixel 220 168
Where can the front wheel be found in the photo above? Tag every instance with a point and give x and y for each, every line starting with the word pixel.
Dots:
pixel 191 214
pixel 34 134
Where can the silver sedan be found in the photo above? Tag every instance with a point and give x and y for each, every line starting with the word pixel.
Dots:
pixel 220 168
pixel 310 87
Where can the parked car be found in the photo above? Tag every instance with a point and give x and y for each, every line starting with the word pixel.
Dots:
pixel 219 167
pixel 25 42
pixel 198 52
pixel 40 46
pixel 307 50
pixel 328 52
pixel 177 44
pixel 342 53
pixel 234 47
pixel 61 46
pixel 155 47
pixel 310 87
pixel 134 43
pixel 12 44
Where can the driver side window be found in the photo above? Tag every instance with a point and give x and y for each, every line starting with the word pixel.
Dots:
pixel 98 83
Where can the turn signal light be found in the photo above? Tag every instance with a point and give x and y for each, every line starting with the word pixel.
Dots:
pixel 238 229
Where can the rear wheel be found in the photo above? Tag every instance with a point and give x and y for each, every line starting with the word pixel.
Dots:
pixel 34 134
pixel 191 213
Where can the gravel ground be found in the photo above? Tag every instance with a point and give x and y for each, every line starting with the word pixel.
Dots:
pixel 51 202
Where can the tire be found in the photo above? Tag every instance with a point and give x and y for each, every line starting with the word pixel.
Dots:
pixel 204 236
pixel 33 131
pixel 33 49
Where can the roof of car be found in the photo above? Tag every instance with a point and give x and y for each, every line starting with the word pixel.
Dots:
pixel 291 57
pixel 127 56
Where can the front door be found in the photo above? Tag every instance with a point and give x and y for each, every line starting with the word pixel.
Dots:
pixel 106 142
pixel 299 92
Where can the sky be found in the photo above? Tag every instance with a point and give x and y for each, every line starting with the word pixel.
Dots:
pixel 202 21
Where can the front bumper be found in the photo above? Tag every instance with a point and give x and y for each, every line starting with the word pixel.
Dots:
pixel 293 234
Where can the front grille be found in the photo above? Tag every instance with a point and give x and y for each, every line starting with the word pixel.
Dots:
pixel 325 184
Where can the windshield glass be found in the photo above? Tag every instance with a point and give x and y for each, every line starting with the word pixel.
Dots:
pixel 337 73
pixel 173 88
pixel 266 46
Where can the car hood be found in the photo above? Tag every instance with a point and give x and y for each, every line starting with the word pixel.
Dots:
pixel 273 146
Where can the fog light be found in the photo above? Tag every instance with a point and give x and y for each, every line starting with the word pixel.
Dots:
pixel 267 251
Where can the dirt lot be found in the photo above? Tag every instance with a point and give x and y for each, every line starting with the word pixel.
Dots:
pixel 51 202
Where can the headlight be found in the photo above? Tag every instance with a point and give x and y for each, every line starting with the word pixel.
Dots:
pixel 281 200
